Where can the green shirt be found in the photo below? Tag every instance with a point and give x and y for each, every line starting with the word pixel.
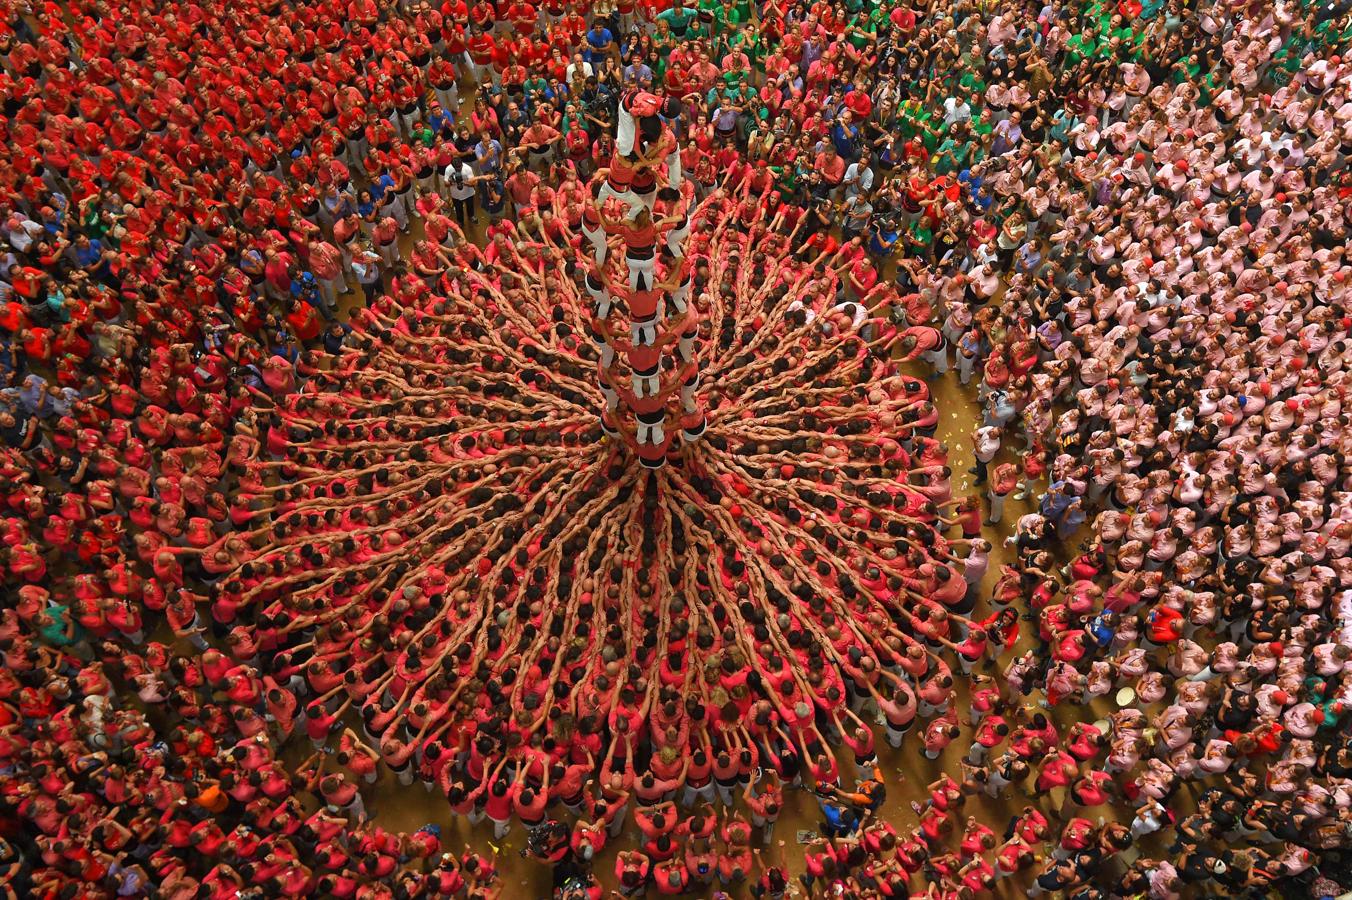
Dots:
pixel 726 19
pixel 1079 48
pixel 678 19
pixel 961 153
pixel 972 82
pixel 862 22
pixel 93 224
pixel 54 632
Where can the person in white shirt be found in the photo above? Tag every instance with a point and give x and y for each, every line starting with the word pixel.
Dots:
pixel 578 68
pixel 460 180
pixel 985 444
pixel 858 176
pixel 956 109
pixel 22 232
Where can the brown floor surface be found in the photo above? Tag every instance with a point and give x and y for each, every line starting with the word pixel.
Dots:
pixel 394 806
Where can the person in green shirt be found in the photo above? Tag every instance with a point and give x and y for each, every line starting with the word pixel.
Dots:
pixel 536 83
pixel 929 127
pixel 909 117
pixel 1287 59
pixel 57 627
pixel 919 238
pixel 423 134
pixel 971 81
pixel 955 152
pixel 1186 70
pixel 92 221
pixel 1080 47
pixel 747 38
pixel 735 89
pixel 679 18
pixel 983 126
pixel 1333 32
pixel 726 19
pixel 571 119
pixel 861 31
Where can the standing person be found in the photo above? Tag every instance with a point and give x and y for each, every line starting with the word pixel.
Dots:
pixel 1003 482
pixel 326 261
pixel 859 175
pixel 985 445
pixel 385 237
pixel 366 266
pixel 460 181
pixel 857 212
pixel 765 803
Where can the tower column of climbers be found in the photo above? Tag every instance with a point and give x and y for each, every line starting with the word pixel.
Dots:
pixel 641 295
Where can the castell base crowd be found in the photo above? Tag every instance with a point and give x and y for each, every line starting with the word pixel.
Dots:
pixel 745 448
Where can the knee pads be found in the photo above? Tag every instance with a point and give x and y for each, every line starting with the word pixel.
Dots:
pixel 676 240
pixel 597 237
pixel 628 198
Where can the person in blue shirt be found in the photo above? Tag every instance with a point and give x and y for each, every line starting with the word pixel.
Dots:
pixel 441 120
pixel 977 195
pixel 11 357
pixel 600 43
pixel 494 197
pixel 287 348
pixel 970 180
pixel 839 820
pixel 305 287
pixel 882 237
pixel 637 72
pixel 1102 629
pixel 90 256
pixel 334 336
pixel 488 154
pixel 381 187
pixel 366 206
pixel 845 136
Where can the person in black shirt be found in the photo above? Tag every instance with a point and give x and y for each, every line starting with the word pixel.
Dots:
pixel 1057 876
pixel 19 431
pixel 334 336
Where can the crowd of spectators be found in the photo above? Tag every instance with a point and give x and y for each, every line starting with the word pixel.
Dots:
pixel 1125 223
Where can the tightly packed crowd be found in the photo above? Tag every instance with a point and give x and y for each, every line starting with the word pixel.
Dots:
pixel 1125 223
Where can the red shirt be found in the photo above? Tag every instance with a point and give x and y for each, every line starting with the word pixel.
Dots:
pixel 831 167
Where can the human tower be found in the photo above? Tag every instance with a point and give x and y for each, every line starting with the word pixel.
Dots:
pixel 644 178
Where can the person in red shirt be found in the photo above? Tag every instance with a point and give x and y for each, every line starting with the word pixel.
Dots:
pixel 483 49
